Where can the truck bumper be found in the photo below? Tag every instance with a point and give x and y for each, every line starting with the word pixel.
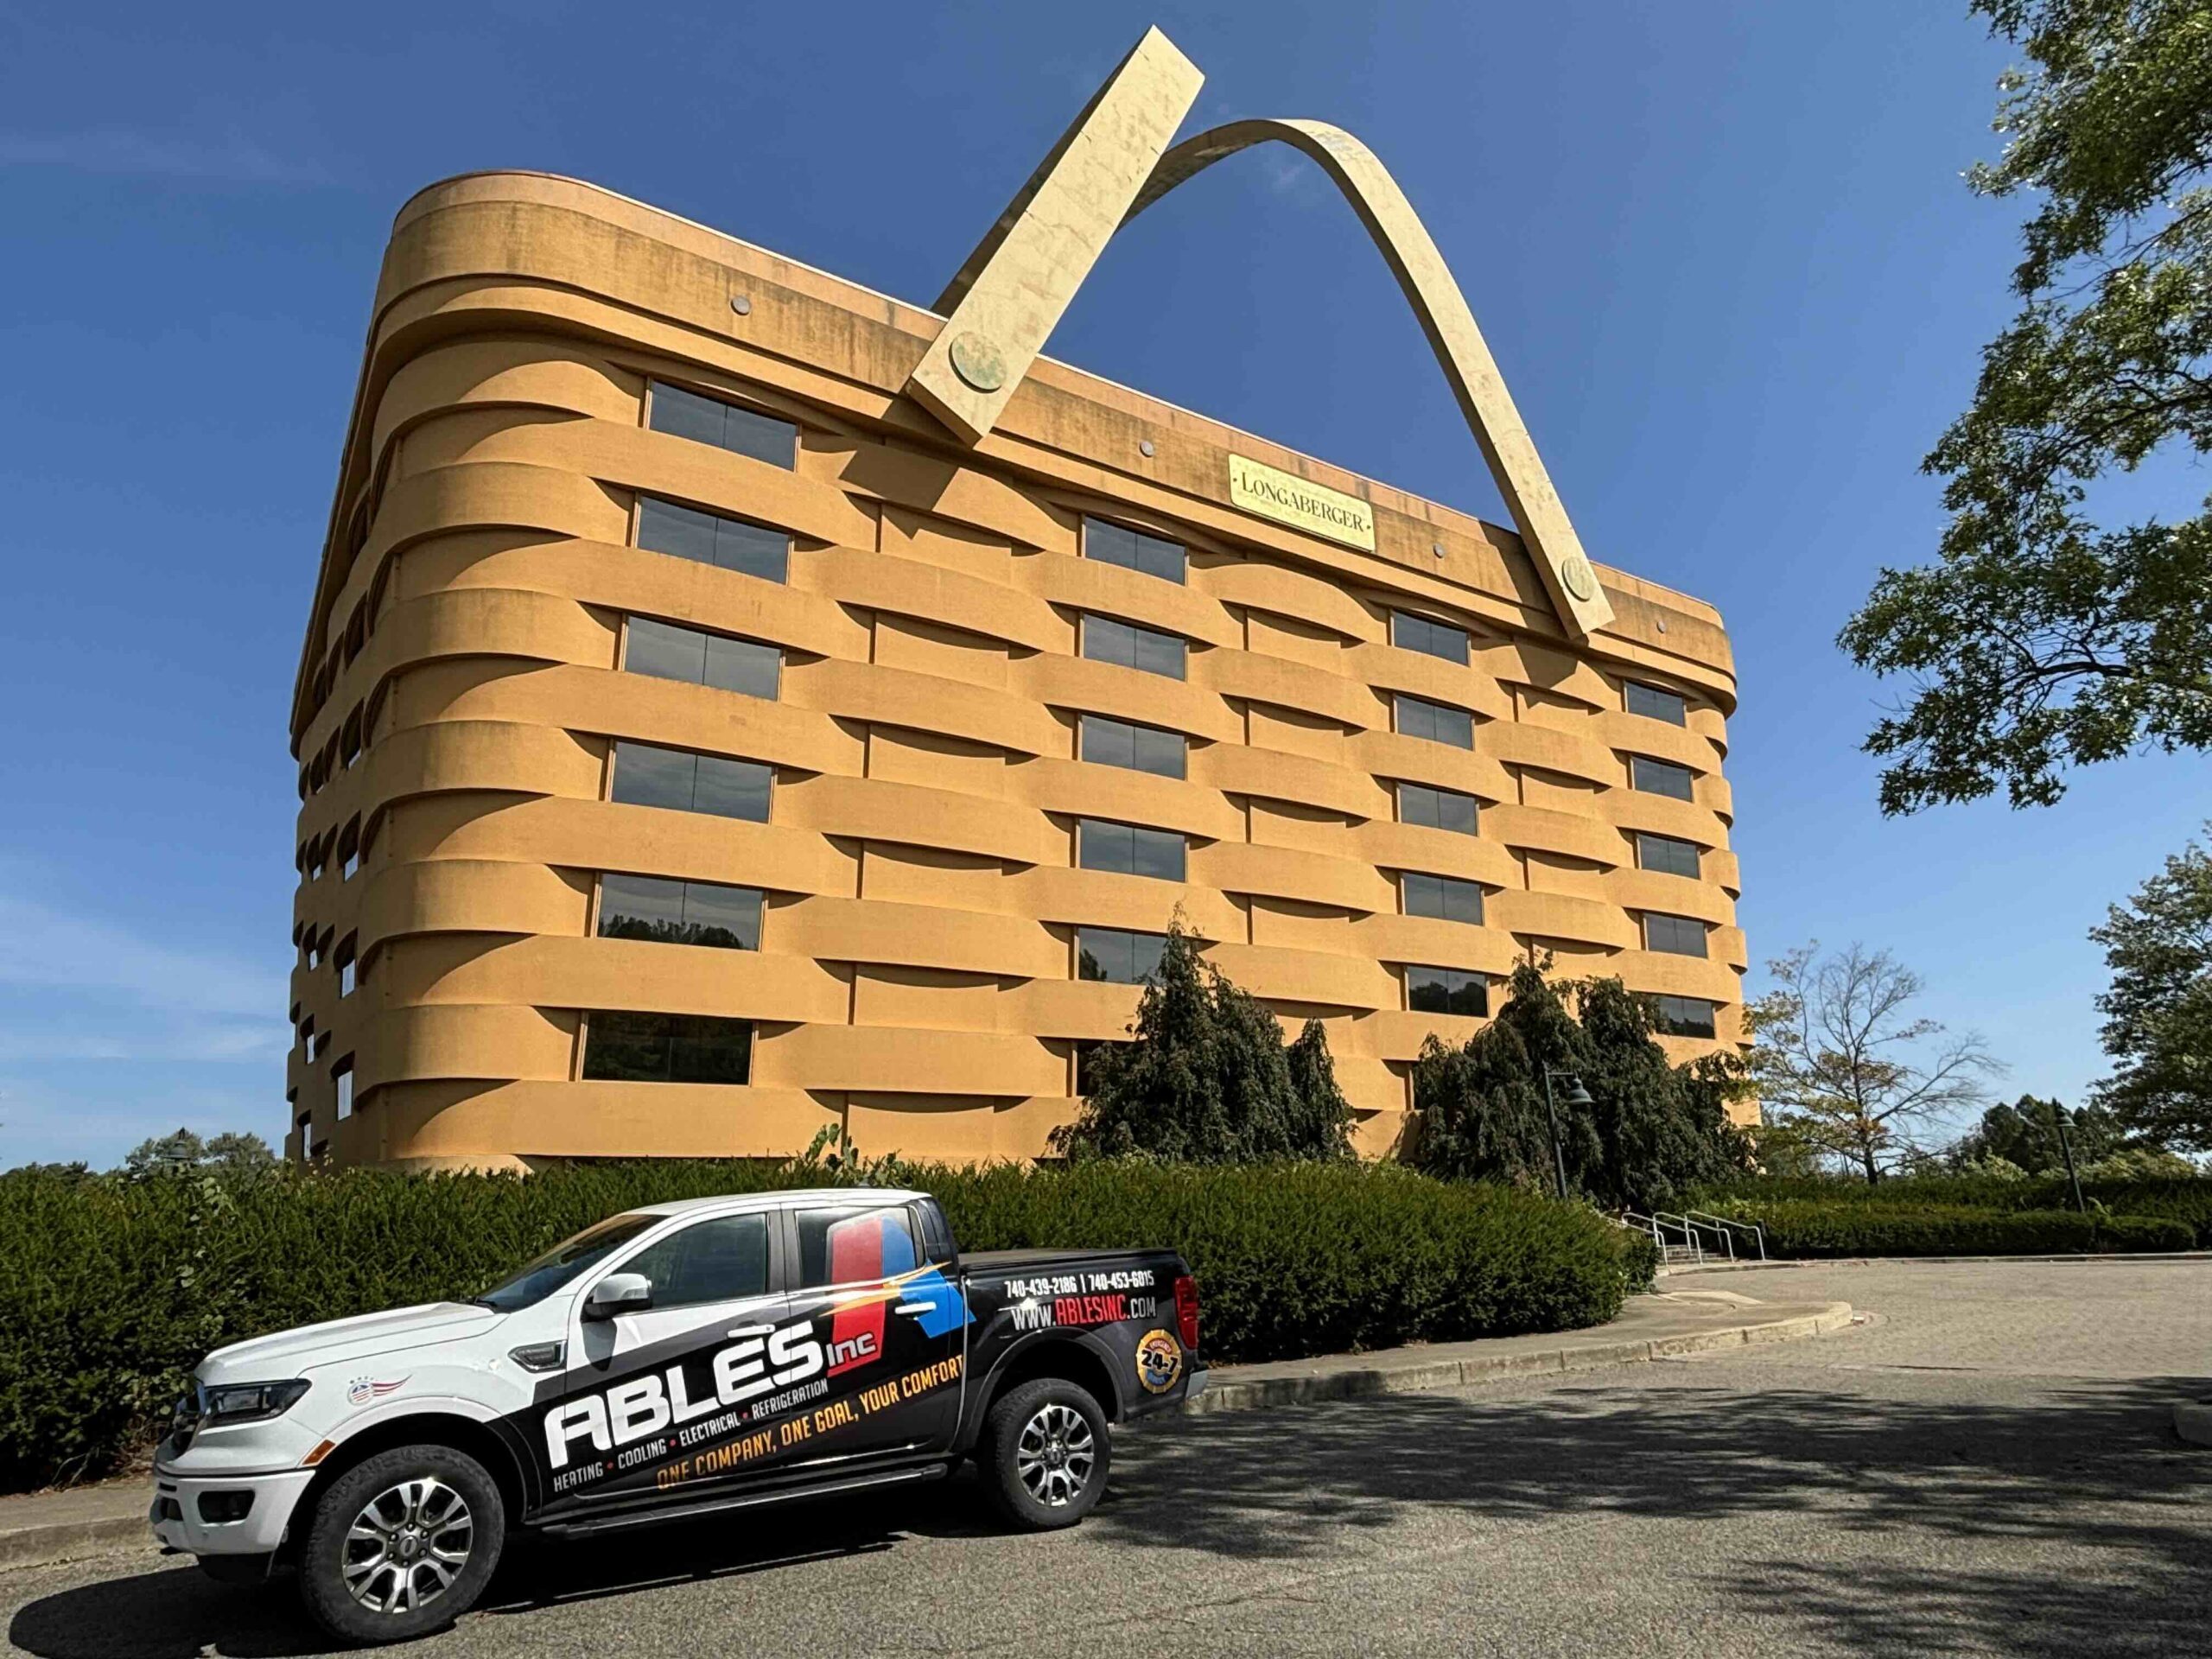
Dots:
pixel 188 1510
pixel 1196 1385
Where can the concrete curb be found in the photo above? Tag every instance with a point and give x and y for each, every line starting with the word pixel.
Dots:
pixel 2193 1421
pixel 1415 1376
pixel 2111 1258
pixel 69 1540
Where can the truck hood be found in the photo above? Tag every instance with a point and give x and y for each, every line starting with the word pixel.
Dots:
pixel 286 1353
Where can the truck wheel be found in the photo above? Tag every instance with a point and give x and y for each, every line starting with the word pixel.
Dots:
pixel 1045 1455
pixel 401 1545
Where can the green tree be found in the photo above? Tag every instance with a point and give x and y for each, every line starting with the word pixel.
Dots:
pixel 2159 1011
pixel 1838 1056
pixel 1652 1131
pixel 2025 1135
pixel 181 1149
pixel 2041 638
pixel 1207 1078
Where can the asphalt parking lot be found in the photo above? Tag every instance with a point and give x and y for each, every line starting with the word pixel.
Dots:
pixel 1988 1467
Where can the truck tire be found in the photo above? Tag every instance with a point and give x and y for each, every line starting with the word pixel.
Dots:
pixel 1045 1455
pixel 402 1544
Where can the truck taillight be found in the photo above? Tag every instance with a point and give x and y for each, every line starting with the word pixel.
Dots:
pixel 1186 1311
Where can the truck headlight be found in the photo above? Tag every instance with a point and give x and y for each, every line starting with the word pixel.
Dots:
pixel 246 1403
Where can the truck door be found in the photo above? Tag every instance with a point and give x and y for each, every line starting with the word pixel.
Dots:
pixel 892 1325
pixel 666 1398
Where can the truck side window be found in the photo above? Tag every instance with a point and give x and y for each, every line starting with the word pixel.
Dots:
pixel 937 1236
pixel 846 1247
pixel 722 1260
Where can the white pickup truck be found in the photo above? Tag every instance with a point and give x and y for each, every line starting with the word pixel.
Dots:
pixel 679 1360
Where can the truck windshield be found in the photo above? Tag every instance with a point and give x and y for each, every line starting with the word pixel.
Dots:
pixel 564 1262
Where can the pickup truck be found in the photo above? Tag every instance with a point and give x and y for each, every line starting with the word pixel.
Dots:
pixel 679 1360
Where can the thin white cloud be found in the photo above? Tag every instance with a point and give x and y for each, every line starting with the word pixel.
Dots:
pixel 120 152
pixel 48 950
pixel 167 1039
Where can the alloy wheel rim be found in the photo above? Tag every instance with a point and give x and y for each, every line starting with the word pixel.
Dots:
pixel 407 1546
pixel 1055 1455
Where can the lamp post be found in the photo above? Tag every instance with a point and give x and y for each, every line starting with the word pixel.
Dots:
pixel 1576 1096
pixel 2066 1151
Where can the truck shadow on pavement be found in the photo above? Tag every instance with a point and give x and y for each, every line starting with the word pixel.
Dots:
pixel 2100 1522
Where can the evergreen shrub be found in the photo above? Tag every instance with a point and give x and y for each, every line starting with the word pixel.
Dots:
pixel 115 1288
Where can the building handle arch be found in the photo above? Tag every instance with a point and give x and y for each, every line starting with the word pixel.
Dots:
pixel 1112 163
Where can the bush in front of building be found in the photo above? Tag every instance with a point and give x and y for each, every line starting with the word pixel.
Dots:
pixel 1205 1078
pixel 115 1285
pixel 1827 1228
pixel 1649 1133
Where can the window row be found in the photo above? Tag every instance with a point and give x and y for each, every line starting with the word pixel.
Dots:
pixel 1108 639
pixel 624 1045
pixel 708 420
pixel 1439 723
pixel 664 651
pixel 1678 936
pixel 1411 632
pixel 1136 748
pixel 1133 549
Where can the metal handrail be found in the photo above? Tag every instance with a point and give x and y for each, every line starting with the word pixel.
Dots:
pixel 1758 1232
pixel 1659 1224
pixel 1689 1231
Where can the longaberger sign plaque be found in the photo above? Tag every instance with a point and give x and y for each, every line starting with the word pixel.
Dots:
pixel 1290 500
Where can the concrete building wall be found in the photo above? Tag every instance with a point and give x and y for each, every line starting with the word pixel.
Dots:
pixel 463 686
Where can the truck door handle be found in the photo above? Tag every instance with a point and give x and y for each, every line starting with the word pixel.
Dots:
pixel 739 1333
pixel 915 1307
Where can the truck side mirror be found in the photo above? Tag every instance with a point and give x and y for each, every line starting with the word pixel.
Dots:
pixel 619 1292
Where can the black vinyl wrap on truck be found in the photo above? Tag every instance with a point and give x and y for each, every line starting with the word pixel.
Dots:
pixel 804 1386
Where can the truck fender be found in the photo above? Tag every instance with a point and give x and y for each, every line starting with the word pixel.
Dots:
pixel 1020 1359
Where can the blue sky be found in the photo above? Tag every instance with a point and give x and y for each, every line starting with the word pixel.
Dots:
pixel 1722 253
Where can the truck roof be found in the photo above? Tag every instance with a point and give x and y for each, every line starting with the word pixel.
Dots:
pixel 782 1196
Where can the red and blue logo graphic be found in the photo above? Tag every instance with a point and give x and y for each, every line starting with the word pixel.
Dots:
pixel 880 1246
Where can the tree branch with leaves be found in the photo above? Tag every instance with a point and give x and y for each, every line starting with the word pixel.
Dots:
pixel 1839 1058
pixel 2041 639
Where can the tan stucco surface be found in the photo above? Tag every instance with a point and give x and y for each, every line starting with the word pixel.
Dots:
pixel 915 977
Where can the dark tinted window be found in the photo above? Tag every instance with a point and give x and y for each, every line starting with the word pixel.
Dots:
pixel 1412 633
pixel 566 1260
pixel 1129 849
pixel 1685 1016
pixel 709 538
pixel 1660 705
pixel 708 420
pixel 849 1247
pixel 1118 958
pixel 1436 808
pixel 1666 853
pixel 1133 549
pixel 1439 723
pixel 1105 639
pixel 1441 896
pixel 645 775
pixel 679 912
pixel 1660 777
pixel 1679 936
pixel 626 1046
pixel 1447 990
pixel 1140 749
pixel 719 1260
pixel 668 652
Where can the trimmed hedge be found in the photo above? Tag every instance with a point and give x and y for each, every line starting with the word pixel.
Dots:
pixel 115 1288
pixel 2182 1198
pixel 1798 1227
